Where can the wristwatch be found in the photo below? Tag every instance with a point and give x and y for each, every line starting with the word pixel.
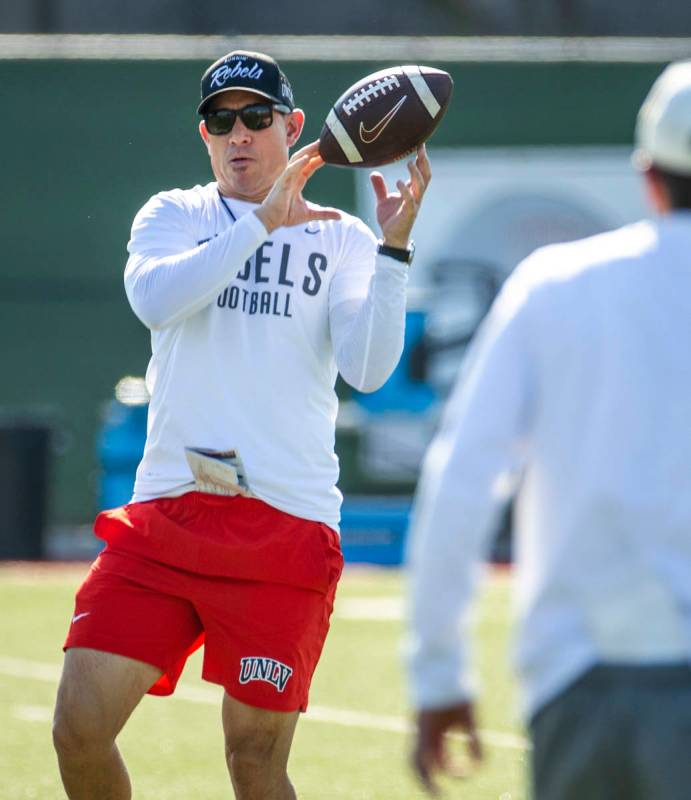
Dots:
pixel 402 254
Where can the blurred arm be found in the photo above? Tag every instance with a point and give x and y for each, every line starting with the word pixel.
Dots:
pixel 469 472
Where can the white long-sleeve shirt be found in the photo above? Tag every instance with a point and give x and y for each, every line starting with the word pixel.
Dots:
pixel 248 331
pixel 578 387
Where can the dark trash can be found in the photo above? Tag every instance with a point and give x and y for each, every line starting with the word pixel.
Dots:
pixel 24 448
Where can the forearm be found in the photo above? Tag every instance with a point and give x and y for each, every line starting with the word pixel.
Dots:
pixel 469 474
pixel 164 289
pixel 448 537
pixel 368 336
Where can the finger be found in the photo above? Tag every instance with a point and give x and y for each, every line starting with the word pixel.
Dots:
pixel 314 163
pixel 306 165
pixel 321 212
pixel 314 157
pixel 460 771
pixel 296 165
pixel 407 196
pixel 466 721
pixel 421 764
pixel 417 182
pixel 423 164
pixel 454 768
pixel 309 149
pixel 292 177
pixel 475 745
pixel 297 183
pixel 312 147
pixel 440 752
pixel 379 186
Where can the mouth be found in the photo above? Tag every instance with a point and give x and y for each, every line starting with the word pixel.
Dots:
pixel 240 161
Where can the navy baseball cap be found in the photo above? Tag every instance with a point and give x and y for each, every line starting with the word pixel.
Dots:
pixel 254 72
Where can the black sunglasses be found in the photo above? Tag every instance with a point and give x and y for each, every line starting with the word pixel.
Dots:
pixel 256 117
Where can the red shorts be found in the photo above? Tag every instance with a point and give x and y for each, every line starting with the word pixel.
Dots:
pixel 253 584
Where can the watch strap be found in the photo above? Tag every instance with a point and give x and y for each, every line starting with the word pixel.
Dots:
pixel 403 254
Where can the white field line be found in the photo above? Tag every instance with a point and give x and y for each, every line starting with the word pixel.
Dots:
pixel 27 713
pixel 50 673
pixel 383 609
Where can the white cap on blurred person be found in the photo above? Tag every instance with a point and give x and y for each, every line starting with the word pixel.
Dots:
pixel 663 127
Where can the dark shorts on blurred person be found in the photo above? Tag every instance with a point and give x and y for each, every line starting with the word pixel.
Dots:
pixel 251 583
pixel 618 733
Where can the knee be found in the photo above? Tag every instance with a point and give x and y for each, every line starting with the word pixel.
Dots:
pixel 75 737
pixel 252 761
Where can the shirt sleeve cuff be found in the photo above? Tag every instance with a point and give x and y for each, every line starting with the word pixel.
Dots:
pixel 439 686
pixel 388 264
pixel 255 224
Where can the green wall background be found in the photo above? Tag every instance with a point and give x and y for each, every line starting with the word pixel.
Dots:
pixel 85 144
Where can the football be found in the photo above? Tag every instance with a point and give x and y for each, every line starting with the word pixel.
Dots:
pixel 385 116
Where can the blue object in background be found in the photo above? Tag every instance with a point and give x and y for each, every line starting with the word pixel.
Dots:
pixel 121 442
pixel 400 393
pixel 373 529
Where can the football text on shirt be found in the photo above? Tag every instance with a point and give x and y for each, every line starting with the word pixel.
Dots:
pixel 272 301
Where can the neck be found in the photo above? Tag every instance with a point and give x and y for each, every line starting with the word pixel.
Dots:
pixel 233 194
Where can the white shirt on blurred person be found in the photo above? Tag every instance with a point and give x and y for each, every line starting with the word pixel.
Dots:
pixel 577 392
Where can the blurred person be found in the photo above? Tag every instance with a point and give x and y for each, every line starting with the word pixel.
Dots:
pixel 576 399
pixel 255 299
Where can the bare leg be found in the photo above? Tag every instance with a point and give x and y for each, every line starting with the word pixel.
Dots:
pixel 257 749
pixel 97 693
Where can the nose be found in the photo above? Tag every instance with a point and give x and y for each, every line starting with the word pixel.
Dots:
pixel 239 134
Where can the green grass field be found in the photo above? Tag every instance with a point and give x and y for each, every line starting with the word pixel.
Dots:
pixel 352 743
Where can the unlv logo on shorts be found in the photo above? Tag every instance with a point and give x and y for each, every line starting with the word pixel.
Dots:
pixel 260 668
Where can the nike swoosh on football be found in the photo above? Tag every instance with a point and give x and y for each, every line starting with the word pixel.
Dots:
pixel 372 134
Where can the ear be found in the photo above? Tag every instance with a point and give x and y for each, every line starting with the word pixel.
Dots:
pixel 657 193
pixel 295 122
pixel 204 133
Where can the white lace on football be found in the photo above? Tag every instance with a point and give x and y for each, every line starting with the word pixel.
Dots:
pixel 363 96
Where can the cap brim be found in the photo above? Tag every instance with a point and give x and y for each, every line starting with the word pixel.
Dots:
pixel 205 101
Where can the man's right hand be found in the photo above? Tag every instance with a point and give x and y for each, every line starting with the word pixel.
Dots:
pixel 429 750
pixel 285 205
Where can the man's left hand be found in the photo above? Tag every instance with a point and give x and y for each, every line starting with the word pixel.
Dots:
pixel 397 211
pixel 429 751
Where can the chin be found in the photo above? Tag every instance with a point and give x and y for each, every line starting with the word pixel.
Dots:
pixel 246 190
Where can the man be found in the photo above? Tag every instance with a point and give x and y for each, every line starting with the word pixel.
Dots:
pixel 255 298
pixel 578 390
